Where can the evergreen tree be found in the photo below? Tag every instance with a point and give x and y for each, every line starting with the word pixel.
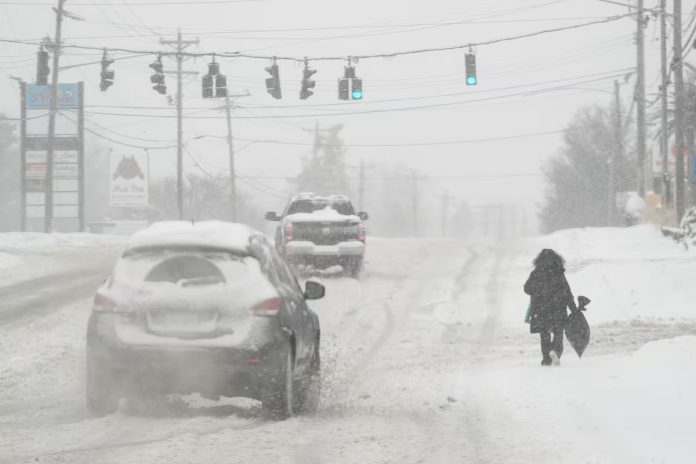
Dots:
pixel 325 171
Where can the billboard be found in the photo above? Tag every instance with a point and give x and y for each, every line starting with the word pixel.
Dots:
pixel 129 180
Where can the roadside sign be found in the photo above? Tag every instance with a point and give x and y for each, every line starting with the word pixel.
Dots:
pixel 66 170
pixel 36 170
pixel 129 180
pixel 39 96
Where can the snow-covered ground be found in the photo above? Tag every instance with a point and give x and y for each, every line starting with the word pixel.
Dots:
pixel 24 256
pixel 426 359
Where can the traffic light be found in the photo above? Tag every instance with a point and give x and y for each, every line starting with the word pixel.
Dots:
pixel 42 68
pixel 214 83
pixel 356 92
pixel 220 86
pixel 107 76
pixel 470 60
pixel 344 88
pixel 307 83
pixel 158 77
pixel 213 68
pixel 273 82
pixel 207 86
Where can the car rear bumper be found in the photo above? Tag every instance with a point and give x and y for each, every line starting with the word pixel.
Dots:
pixel 211 370
pixel 341 249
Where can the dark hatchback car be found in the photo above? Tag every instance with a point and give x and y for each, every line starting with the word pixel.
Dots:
pixel 207 307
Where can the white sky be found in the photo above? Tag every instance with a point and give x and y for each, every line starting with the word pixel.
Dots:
pixel 503 69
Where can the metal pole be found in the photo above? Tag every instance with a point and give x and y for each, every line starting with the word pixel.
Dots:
pixel 664 140
pixel 81 156
pixel 679 108
pixel 640 99
pixel 414 188
pixel 23 162
pixel 179 127
pixel 48 215
pixel 361 189
pixel 230 146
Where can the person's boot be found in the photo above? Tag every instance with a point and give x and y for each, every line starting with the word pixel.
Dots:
pixel 546 362
pixel 555 360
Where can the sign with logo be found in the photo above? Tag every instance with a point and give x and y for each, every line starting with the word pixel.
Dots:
pixel 39 96
pixel 129 180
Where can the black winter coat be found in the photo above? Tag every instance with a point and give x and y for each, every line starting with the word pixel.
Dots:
pixel 550 298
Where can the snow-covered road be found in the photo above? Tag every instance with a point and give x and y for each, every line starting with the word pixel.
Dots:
pixel 425 360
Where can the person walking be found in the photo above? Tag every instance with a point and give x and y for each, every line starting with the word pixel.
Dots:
pixel 550 298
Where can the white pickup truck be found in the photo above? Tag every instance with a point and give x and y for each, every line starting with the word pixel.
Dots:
pixel 321 231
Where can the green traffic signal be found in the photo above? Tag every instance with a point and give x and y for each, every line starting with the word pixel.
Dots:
pixel 356 89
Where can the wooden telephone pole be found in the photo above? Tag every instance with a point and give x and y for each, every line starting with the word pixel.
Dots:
pixel 180 45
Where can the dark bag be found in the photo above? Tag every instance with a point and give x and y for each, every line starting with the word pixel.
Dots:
pixel 577 330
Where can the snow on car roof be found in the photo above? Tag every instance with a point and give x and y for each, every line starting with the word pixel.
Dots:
pixel 208 234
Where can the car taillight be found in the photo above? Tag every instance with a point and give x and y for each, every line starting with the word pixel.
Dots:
pixel 269 307
pixel 288 232
pixel 361 232
pixel 103 303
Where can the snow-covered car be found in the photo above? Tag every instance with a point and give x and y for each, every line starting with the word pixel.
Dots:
pixel 321 231
pixel 207 307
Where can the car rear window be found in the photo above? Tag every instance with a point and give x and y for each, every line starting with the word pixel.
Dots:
pixel 185 268
pixel 309 206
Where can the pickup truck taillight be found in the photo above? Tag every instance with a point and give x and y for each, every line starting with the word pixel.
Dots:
pixel 361 233
pixel 288 232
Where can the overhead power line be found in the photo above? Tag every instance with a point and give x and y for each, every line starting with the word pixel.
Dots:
pixel 340 58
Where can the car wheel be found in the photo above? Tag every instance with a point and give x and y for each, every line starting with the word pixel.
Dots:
pixel 308 397
pixel 102 398
pixel 279 398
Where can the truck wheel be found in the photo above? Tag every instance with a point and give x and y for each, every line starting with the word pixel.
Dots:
pixel 354 266
pixel 279 396
pixel 102 397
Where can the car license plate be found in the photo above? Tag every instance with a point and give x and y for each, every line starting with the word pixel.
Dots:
pixel 183 320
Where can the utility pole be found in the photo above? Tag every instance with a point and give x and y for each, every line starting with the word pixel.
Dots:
pixel 640 98
pixel 181 45
pixel 664 140
pixel 361 188
pixel 230 146
pixel 679 109
pixel 445 200
pixel 53 104
pixel 414 190
pixel 616 153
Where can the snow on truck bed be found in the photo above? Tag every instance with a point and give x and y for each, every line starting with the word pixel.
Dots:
pixel 327 214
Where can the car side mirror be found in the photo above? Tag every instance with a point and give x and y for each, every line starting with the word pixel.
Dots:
pixel 272 216
pixel 363 215
pixel 314 290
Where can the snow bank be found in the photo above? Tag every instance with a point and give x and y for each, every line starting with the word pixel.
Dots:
pixel 26 255
pixel 628 273
pixel 635 408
